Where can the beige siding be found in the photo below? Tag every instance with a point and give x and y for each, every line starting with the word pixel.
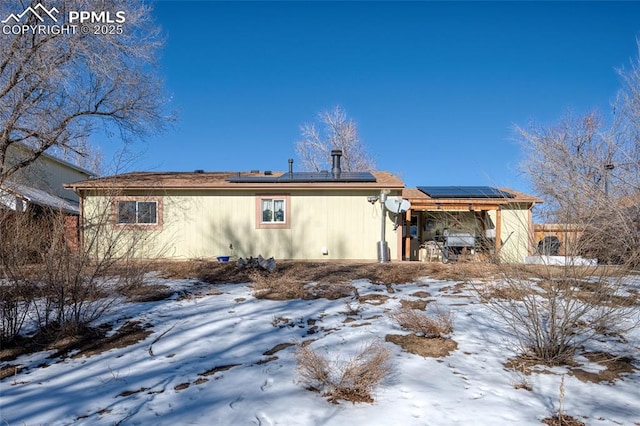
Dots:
pixel 104 239
pixel 516 234
pixel 203 224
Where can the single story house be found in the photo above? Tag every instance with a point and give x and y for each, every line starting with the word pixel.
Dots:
pixel 294 215
pixel 287 215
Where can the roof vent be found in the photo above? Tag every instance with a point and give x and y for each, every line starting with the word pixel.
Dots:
pixel 267 173
pixel 255 171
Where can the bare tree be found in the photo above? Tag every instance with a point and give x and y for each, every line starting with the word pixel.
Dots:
pixel 627 111
pixel 57 87
pixel 588 172
pixel 333 131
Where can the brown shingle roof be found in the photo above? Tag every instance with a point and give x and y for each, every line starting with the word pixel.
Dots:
pixel 218 180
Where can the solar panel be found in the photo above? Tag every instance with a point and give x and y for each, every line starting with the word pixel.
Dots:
pixel 464 192
pixel 305 177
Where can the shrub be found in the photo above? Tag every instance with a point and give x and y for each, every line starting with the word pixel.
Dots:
pixel 560 310
pixel 16 298
pixel 435 324
pixel 61 286
pixel 313 368
pixel 353 380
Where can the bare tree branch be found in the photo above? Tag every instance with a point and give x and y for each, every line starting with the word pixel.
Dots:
pixel 337 132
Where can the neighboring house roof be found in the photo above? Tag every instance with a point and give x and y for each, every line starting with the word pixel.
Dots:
pixel 558 227
pixel 220 180
pixel 13 194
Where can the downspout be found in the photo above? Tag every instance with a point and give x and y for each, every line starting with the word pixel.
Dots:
pixel 81 223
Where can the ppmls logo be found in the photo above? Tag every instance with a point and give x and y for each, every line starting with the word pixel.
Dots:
pixel 38 11
pixel 84 21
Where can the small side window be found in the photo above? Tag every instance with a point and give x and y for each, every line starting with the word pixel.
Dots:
pixel 133 212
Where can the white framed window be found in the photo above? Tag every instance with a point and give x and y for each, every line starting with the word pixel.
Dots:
pixel 272 211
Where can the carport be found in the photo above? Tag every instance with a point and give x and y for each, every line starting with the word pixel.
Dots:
pixel 468 221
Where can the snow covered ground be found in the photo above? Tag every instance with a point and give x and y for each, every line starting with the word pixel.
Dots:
pixel 205 364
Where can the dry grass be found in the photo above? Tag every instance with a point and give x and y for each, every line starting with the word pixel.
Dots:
pixel 333 272
pixel 613 367
pixel 584 289
pixel 436 323
pixel 331 280
pixel 90 342
pixel 276 286
pixel 330 291
pixel 146 292
pixel 353 380
pixel 414 304
pixel 498 291
pixel 343 271
pixel 432 348
pixel 290 283
pixel 373 299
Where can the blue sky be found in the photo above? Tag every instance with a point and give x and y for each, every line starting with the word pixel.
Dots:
pixel 435 87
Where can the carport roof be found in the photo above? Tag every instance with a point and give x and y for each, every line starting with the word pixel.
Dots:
pixel 477 200
pixel 464 192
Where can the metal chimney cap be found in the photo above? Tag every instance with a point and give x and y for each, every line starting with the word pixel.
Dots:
pixel 290 168
pixel 336 170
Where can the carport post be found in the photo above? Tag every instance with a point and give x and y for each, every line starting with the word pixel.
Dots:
pixel 498 229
